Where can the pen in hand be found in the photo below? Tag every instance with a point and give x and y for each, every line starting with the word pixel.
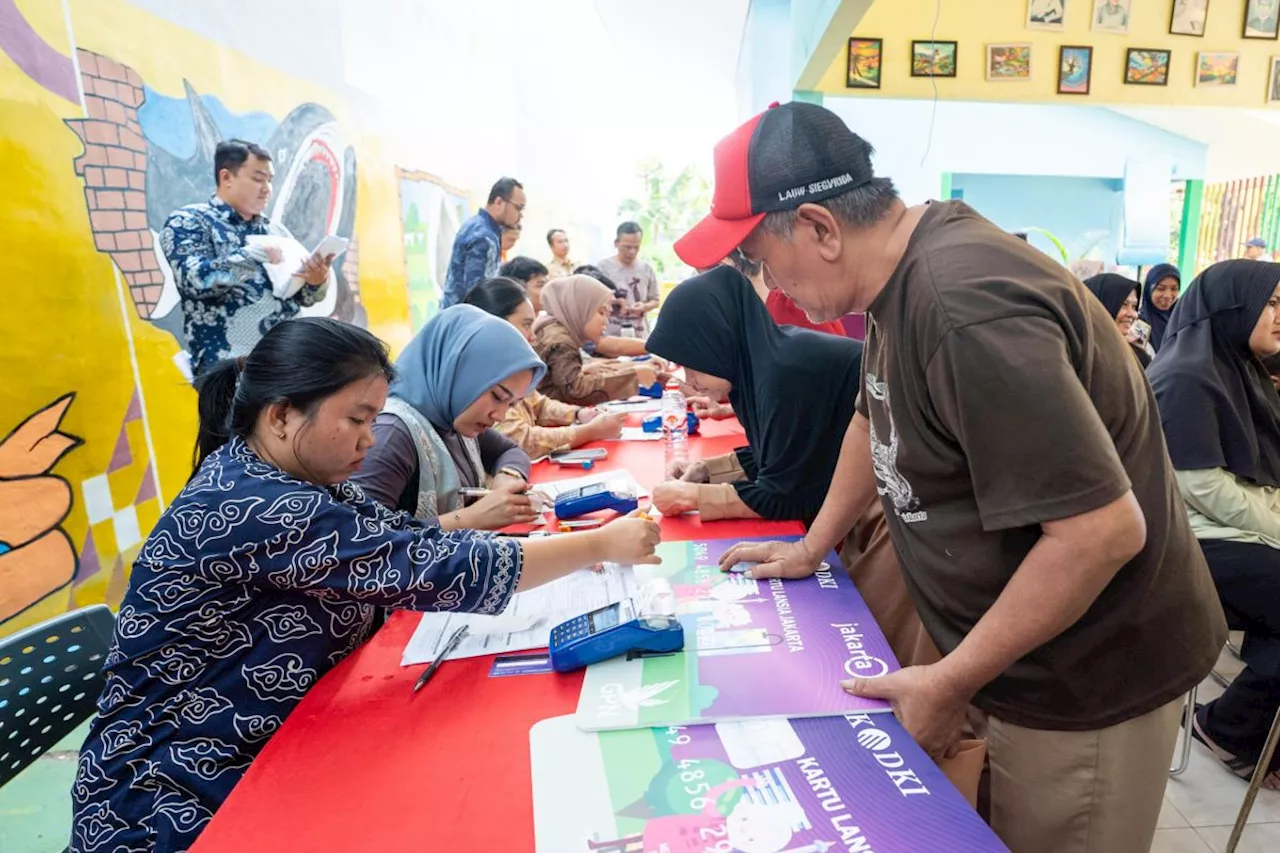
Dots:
pixel 454 640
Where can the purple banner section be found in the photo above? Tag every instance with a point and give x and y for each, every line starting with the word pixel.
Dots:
pixel 753 648
pixel 818 785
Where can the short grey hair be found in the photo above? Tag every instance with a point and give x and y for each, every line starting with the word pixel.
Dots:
pixel 860 207
pixel 745 265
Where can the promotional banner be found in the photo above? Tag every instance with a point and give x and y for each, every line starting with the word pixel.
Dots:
pixel 753 648
pixel 822 785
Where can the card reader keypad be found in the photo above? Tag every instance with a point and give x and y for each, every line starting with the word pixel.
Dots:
pixel 575 629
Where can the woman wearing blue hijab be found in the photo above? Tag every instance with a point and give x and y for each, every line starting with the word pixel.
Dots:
pixel 435 437
pixel 1159 293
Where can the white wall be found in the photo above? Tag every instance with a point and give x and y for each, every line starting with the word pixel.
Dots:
pixel 565 95
pixel 1001 139
pixel 482 91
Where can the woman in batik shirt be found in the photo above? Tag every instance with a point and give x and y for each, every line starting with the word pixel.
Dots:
pixel 264 573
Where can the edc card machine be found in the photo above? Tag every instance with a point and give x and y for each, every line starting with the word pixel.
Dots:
pixel 594 498
pixel 647 627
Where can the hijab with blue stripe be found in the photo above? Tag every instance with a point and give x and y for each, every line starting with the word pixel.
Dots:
pixel 1154 317
pixel 457 356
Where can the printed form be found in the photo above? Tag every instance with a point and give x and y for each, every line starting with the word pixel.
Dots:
pixel 528 619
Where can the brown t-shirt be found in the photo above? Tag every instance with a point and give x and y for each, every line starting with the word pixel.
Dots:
pixel 1002 396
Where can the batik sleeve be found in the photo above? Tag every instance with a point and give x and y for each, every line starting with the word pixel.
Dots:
pixel 338 544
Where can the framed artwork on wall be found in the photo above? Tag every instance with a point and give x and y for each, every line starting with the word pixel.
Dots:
pixel 933 58
pixel 1075 69
pixel 1217 69
pixel 1008 62
pixel 1146 67
pixel 1273 81
pixel 864 63
pixel 1046 14
pixel 1261 19
pixel 1187 17
pixel 1111 16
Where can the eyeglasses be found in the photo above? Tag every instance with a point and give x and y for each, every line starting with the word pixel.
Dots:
pixel 519 207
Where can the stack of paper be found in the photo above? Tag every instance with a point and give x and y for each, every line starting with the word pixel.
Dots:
pixel 528 619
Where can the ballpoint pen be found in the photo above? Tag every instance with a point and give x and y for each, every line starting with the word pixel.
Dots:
pixel 457 638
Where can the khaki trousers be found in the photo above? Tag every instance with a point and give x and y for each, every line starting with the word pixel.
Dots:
pixel 1081 792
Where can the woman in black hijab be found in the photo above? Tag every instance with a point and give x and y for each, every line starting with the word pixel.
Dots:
pixel 792 389
pixel 1119 295
pixel 794 392
pixel 1221 418
pixel 1159 295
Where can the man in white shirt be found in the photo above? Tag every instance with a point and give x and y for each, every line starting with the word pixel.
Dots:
pixel 635 278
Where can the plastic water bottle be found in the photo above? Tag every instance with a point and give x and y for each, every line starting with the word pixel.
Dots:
pixel 675 426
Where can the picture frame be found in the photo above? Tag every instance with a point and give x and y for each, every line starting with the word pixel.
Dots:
pixel 1273 81
pixel 1217 68
pixel 1110 16
pixel 1262 19
pixel 1188 17
pixel 1046 14
pixel 1075 69
pixel 1008 63
pixel 933 58
pixel 864 63
pixel 1144 66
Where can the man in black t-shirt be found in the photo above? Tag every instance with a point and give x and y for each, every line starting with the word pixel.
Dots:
pixel 1017 451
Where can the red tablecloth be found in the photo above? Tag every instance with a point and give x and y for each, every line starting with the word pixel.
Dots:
pixel 363 764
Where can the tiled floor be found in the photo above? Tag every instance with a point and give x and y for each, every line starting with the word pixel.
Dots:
pixel 1199 806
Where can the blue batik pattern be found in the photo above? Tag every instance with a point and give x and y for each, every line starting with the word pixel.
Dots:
pixel 477 254
pixel 226 296
pixel 251 587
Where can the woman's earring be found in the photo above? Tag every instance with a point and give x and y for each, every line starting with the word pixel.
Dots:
pixel 280 436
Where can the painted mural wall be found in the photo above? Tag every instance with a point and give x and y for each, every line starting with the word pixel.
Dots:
pixel 108 118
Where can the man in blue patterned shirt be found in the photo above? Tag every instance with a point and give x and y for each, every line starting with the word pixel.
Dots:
pixel 227 299
pixel 477 250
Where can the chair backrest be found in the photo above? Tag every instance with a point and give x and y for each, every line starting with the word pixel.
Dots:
pixel 50 679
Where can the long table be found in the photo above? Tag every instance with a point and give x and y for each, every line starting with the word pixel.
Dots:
pixel 362 764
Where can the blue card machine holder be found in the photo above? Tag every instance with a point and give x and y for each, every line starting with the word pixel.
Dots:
pixel 611 631
pixel 593 499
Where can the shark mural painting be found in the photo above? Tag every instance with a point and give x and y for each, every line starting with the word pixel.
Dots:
pixel 147 154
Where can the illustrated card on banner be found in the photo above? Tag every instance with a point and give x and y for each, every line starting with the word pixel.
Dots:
pixel 855 782
pixel 753 648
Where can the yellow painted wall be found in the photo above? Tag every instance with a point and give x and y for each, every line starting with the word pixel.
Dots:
pixel 68 325
pixel 976 23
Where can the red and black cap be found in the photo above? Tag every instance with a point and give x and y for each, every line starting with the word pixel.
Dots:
pixel 784 157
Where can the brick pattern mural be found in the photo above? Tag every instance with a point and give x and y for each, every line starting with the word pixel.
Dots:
pixel 114 168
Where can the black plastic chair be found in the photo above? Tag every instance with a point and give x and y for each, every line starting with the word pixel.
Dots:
pixel 50 679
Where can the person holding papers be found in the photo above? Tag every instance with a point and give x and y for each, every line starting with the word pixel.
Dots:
pixel 227 299
pixel 575 311
pixel 436 436
pixel 264 573
pixel 536 422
